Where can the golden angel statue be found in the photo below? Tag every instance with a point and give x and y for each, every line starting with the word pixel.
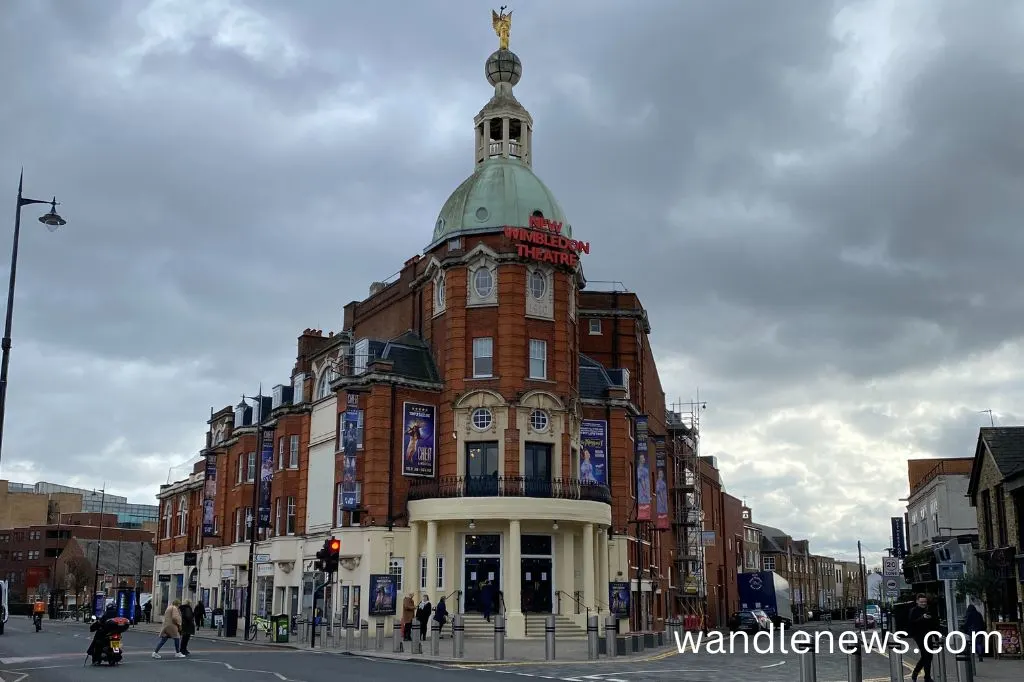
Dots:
pixel 502 26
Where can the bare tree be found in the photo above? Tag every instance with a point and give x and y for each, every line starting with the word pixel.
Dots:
pixel 74 574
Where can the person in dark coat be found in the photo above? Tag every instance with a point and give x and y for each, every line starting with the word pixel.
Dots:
pixel 423 615
pixel 441 615
pixel 923 624
pixel 188 626
pixel 200 615
pixel 147 611
pixel 487 600
pixel 975 622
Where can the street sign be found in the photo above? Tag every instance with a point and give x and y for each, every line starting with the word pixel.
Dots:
pixel 949 571
pixel 892 585
pixel 263 558
pixel 890 566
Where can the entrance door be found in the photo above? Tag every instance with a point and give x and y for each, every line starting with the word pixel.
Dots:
pixel 536 585
pixel 478 571
pixel 537 466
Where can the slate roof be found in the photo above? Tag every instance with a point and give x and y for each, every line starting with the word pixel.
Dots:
pixel 1006 443
pixel 411 356
pixel 768 538
pixel 129 556
pixel 595 380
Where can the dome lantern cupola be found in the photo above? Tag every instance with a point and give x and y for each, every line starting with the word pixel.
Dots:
pixel 503 127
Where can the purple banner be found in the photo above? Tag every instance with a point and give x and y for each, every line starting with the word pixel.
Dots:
pixel 643 471
pixel 594 451
pixel 266 477
pixel 661 521
pixel 418 427
pixel 209 496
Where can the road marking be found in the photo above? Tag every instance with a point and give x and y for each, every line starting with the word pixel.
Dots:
pixel 773 665
pixel 246 670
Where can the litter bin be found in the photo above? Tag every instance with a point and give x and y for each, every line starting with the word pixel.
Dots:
pixel 282 627
pixel 231 623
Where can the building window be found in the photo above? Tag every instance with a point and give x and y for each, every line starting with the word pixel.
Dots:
pixel 250 474
pixel 277 516
pixel 538 283
pixel 439 293
pixel 768 562
pixel 238 525
pixel 291 516
pixel 423 572
pixel 538 359
pixel 280 452
pixel 595 327
pixel 167 519
pixel 293 457
pixel 396 567
pixel 33 554
pixel 241 469
pixel 440 572
pixel 482 419
pixel 483 357
pixel 483 282
pixel 323 384
pixel 539 421
pixel 182 515
pixel 248 524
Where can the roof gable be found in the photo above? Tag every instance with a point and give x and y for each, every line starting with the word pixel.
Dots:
pixel 1005 445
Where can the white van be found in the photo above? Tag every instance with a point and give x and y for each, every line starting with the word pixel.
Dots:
pixel 3 605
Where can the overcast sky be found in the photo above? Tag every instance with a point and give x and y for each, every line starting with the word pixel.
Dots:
pixel 819 204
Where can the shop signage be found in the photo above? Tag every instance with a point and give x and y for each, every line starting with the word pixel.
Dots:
pixel 543 241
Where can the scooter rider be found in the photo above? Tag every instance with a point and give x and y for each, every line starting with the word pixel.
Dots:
pixel 38 609
pixel 99 639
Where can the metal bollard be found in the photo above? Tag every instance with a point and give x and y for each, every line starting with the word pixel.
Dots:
pixel 499 637
pixel 610 631
pixel 592 637
pixel 458 636
pixel 939 667
pixel 396 638
pixel 895 666
pixel 350 638
pixel 417 643
pixel 435 638
pixel 964 666
pixel 856 665
pixel 549 638
pixel 379 644
pixel 808 667
pixel 364 635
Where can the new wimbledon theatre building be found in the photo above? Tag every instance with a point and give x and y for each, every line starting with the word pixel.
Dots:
pixel 484 412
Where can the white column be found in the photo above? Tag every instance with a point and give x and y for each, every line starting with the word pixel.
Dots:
pixel 431 558
pixel 515 622
pixel 589 564
pixel 567 573
pixel 412 562
pixel 602 567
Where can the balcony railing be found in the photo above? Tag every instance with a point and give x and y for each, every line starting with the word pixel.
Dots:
pixel 509 486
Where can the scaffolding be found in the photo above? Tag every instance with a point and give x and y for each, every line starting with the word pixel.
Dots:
pixel 688 516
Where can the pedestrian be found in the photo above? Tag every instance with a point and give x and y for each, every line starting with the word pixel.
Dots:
pixel 487 600
pixel 923 624
pixel 147 611
pixel 171 630
pixel 408 616
pixel 188 625
pixel 441 616
pixel 423 615
pixel 200 614
pixel 974 622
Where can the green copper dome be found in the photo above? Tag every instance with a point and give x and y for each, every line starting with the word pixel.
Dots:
pixel 502 192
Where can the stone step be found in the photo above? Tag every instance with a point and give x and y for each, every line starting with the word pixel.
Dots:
pixel 478 628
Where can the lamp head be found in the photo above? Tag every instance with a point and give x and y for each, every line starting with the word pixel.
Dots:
pixel 52 220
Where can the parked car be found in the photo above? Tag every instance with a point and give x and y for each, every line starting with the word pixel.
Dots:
pixel 745 621
pixel 865 621
pixel 765 620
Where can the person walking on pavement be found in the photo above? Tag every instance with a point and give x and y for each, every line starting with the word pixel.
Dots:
pixel 171 630
pixel 423 616
pixel 441 616
pixel 975 622
pixel 487 600
pixel 188 625
pixel 147 612
pixel 923 624
pixel 408 616
pixel 200 615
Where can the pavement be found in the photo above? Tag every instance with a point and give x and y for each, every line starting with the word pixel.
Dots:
pixel 57 655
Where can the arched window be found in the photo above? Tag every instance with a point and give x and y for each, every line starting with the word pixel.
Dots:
pixel 323 385
pixel 183 515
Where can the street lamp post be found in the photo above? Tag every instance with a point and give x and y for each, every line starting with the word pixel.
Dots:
pixel 253 521
pixel 99 544
pixel 52 221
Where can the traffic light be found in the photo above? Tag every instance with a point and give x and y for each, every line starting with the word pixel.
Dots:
pixel 333 552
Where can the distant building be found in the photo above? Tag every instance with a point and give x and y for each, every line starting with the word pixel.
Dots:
pixel 129 515
pixel 938 508
pixel 121 564
pixel 21 505
pixel 751 543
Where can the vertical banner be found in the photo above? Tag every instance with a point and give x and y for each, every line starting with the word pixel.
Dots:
pixel 266 477
pixel 594 451
pixel 349 442
pixel 660 486
pixel 643 471
pixel 899 542
pixel 418 453
pixel 209 496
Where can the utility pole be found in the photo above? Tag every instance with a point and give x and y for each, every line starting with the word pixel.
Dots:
pixel 863 580
pixel 99 544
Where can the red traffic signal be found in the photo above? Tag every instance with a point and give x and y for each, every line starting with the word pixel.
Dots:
pixel 335 545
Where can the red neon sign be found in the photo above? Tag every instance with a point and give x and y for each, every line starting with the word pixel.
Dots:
pixel 543 241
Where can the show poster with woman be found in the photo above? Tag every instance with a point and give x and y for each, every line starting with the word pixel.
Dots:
pixel 643 472
pixel 618 599
pixel 266 477
pixel 593 451
pixel 382 595
pixel 660 486
pixel 418 453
